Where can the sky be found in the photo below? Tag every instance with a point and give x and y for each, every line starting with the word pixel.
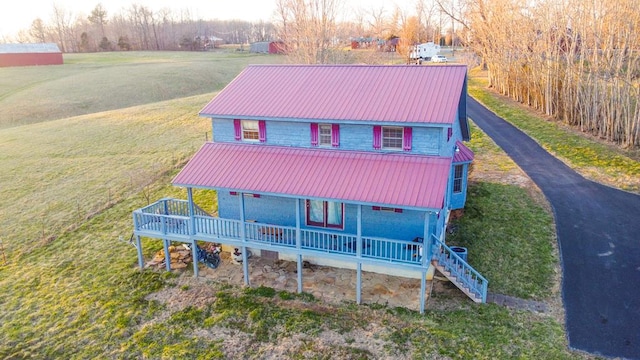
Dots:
pixel 18 15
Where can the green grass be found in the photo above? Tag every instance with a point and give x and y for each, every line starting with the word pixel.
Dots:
pixel 508 233
pixel 89 83
pixel 71 290
pixel 593 159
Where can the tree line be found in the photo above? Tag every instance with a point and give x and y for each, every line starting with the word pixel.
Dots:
pixel 576 61
pixel 139 27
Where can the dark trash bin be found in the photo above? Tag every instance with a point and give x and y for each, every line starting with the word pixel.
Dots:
pixel 460 251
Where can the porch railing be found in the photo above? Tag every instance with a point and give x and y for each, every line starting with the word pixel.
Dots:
pixel 171 217
pixel 459 270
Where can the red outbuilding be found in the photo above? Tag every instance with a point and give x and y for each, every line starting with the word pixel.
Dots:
pixel 30 54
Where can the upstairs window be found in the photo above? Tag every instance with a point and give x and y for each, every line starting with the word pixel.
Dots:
pixel 325 135
pixel 392 138
pixel 250 130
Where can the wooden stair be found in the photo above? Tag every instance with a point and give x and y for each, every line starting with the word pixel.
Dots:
pixel 459 272
pixel 474 296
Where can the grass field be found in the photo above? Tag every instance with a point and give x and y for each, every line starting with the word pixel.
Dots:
pixel 71 290
pixel 105 81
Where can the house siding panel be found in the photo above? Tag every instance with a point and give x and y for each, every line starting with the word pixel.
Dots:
pixel 425 140
pixel 281 211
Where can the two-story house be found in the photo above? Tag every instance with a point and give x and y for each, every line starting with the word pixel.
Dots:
pixel 351 166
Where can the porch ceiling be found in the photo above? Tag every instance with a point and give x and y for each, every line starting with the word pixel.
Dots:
pixel 398 180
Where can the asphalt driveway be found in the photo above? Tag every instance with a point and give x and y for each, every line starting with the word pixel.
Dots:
pixel 599 239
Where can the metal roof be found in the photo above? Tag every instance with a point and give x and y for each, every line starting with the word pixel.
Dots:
pixel 375 93
pixel 464 154
pixel 398 180
pixel 29 48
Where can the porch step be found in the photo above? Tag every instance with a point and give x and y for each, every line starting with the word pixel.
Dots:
pixel 475 297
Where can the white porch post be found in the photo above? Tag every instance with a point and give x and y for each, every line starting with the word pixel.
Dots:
pixel 299 245
pixel 245 258
pixel 359 256
pixel 192 231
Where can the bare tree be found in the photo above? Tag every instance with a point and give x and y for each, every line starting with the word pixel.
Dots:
pixel 308 27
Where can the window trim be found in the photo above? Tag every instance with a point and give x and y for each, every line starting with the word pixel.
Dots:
pixel 457 178
pixel 239 130
pixel 401 138
pixel 244 131
pixel 324 224
pixel 325 143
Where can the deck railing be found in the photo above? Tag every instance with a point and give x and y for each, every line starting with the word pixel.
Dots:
pixel 465 275
pixel 171 217
pixel 393 250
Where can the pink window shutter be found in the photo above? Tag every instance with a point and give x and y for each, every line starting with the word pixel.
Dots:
pixel 406 139
pixel 377 137
pixel 237 128
pixel 335 135
pixel 314 134
pixel 262 131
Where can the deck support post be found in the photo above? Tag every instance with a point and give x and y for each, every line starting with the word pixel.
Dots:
pixel 359 255
pixel 359 283
pixel 423 290
pixel 243 237
pixel 167 256
pixel 299 245
pixel 139 248
pixel 194 256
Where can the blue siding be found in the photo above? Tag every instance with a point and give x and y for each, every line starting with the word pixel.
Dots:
pixel 458 199
pixel 426 140
pixel 281 211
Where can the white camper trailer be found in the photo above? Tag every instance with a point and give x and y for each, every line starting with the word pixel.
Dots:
pixel 424 52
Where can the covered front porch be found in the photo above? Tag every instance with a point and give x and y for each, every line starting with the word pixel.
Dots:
pixel 183 221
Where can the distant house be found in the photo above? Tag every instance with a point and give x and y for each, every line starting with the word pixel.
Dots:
pixel 351 166
pixel 268 47
pixel 30 54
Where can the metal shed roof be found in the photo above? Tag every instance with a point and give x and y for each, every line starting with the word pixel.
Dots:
pixel 398 180
pixel 29 48
pixel 372 93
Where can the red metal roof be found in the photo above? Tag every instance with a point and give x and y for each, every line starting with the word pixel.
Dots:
pixel 398 180
pixel 464 154
pixel 392 93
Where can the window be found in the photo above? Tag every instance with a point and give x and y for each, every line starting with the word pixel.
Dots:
pixel 392 138
pixel 250 130
pixel 325 214
pixel 384 208
pixel 457 178
pixel 325 135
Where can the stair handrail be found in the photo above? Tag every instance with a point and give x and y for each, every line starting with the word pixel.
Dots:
pixel 448 258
